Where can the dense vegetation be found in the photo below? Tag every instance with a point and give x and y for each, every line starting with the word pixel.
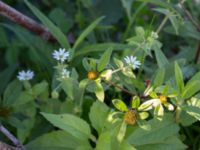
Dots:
pixel 100 74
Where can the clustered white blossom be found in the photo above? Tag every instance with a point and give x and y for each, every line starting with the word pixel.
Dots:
pixel 60 55
pixel 132 61
pixel 154 35
pixel 25 75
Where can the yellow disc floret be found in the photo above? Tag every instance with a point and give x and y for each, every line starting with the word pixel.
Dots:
pixel 163 98
pixel 92 75
pixel 130 117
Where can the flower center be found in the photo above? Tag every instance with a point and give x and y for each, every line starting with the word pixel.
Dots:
pixel 130 117
pixel 92 75
pixel 163 98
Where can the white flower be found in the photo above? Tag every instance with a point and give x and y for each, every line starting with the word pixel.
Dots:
pixel 60 55
pixel 25 75
pixel 130 60
pixel 154 35
pixel 65 73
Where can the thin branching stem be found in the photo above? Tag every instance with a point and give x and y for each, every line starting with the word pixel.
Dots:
pixel 11 137
pixel 28 23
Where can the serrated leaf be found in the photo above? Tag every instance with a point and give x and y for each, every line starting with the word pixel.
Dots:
pixel 179 77
pixel 104 60
pixel 73 125
pixel 120 105
pixel 56 32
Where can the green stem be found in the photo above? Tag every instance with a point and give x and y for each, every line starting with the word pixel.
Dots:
pixel 178 113
pixel 142 64
pixel 163 23
pixel 127 31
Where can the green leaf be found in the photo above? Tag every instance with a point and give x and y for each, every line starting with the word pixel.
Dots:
pixel 190 89
pixel 12 92
pixel 99 91
pixel 87 31
pixel 161 58
pixel 196 77
pixel 159 111
pixel 120 105
pixel 23 98
pixel 193 111
pixel 86 65
pixel 70 86
pixel 104 141
pixel 127 4
pixel 193 108
pixel 170 143
pixel 122 132
pixel 135 102
pixel 56 140
pixel 98 115
pixel 101 47
pixel 104 60
pixel 172 17
pixel 128 72
pixel 40 88
pixel 5 76
pixel 71 124
pixel 179 77
pixel 56 32
pixel 159 77
pixel 118 63
pixel 143 115
pixel 158 135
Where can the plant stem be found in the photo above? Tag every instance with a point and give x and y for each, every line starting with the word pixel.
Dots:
pixel 30 24
pixel 127 31
pixel 10 136
pixel 119 87
pixel 197 54
pixel 178 113
pixel 189 16
pixel 163 23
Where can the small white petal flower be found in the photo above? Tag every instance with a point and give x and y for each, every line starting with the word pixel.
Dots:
pixel 60 55
pixel 154 35
pixel 25 75
pixel 130 60
pixel 65 73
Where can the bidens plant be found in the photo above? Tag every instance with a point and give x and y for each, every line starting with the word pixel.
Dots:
pixel 95 93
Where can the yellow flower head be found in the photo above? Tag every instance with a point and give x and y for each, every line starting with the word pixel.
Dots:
pixel 130 117
pixel 92 75
pixel 163 98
